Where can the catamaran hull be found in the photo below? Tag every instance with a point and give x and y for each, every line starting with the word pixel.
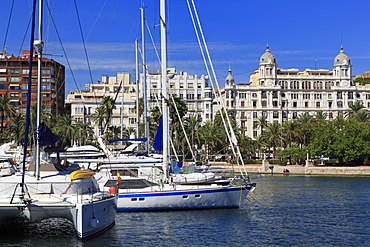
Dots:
pixel 89 219
pixel 228 197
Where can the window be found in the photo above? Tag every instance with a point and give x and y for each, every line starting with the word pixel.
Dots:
pixel 14 94
pixel 14 78
pixel 275 114
pixel 263 94
pixel 340 104
pixel 132 120
pixel 79 110
pixel 2 78
pixel 264 103
pixel 78 96
pixel 45 87
pixel 14 71
pixel 24 94
pixel 25 71
pixel 318 104
pixel 254 103
pixel 14 86
pixel 242 103
pixel 306 104
pixel 2 71
pixel 294 104
pixel 2 86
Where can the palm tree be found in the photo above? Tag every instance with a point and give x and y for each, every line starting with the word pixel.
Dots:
pixel 304 122
pixel 65 128
pixel 212 136
pixel 291 132
pixel 17 128
pixel 272 136
pixel 191 126
pixel 83 132
pixel 320 115
pixel 261 123
pixel 98 117
pixel 6 109
pixel 108 103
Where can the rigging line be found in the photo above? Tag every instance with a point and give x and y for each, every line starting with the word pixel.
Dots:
pixel 233 137
pixel 61 44
pixel 151 38
pixel 183 128
pixel 7 28
pixel 83 41
pixel 24 37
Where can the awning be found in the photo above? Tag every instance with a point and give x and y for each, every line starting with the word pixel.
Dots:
pixel 14 85
pixel 14 100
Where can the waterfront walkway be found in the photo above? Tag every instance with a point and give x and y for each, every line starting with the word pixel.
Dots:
pixel 309 169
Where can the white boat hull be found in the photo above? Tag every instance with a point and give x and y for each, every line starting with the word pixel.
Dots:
pixel 183 199
pixel 91 213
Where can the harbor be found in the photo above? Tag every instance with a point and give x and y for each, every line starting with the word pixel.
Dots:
pixel 282 211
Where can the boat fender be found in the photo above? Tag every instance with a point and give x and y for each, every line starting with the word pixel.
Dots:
pixel 94 222
pixel 112 190
pixel 80 174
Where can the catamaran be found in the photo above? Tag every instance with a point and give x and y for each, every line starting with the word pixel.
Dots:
pixel 37 194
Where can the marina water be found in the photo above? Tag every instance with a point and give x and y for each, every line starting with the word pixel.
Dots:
pixel 284 210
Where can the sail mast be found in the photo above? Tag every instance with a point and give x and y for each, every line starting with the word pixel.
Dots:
pixel 27 123
pixel 143 50
pixel 165 113
pixel 39 44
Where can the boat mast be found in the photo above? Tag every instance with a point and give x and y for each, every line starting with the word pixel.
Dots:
pixel 165 113
pixel 39 44
pixel 137 87
pixel 27 123
pixel 143 48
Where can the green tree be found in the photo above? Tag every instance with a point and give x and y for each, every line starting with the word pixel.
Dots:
pixel 6 109
pixel 17 128
pixel 272 136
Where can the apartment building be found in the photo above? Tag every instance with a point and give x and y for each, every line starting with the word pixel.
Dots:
pixel 83 103
pixel 14 82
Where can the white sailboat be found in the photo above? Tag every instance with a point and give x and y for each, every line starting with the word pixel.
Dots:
pixel 37 195
pixel 144 186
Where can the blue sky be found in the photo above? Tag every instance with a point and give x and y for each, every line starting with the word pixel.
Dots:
pixel 301 34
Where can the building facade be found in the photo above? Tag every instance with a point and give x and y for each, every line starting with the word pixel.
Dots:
pixel 284 94
pixel 83 103
pixel 193 90
pixel 14 82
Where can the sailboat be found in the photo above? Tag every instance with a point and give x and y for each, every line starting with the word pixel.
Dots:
pixel 37 195
pixel 147 185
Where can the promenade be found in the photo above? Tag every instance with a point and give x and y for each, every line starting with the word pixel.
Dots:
pixel 309 169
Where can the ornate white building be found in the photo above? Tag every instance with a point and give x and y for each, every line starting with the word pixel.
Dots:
pixel 283 94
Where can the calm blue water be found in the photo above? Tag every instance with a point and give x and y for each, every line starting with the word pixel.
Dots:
pixel 282 211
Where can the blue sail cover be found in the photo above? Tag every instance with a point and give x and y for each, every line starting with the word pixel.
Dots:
pixel 46 137
pixel 158 139
pixel 127 139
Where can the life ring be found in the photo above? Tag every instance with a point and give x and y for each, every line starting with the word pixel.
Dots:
pixel 79 174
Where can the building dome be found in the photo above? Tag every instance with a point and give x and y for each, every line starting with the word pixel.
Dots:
pixel 230 78
pixel 341 58
pixel 267 57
